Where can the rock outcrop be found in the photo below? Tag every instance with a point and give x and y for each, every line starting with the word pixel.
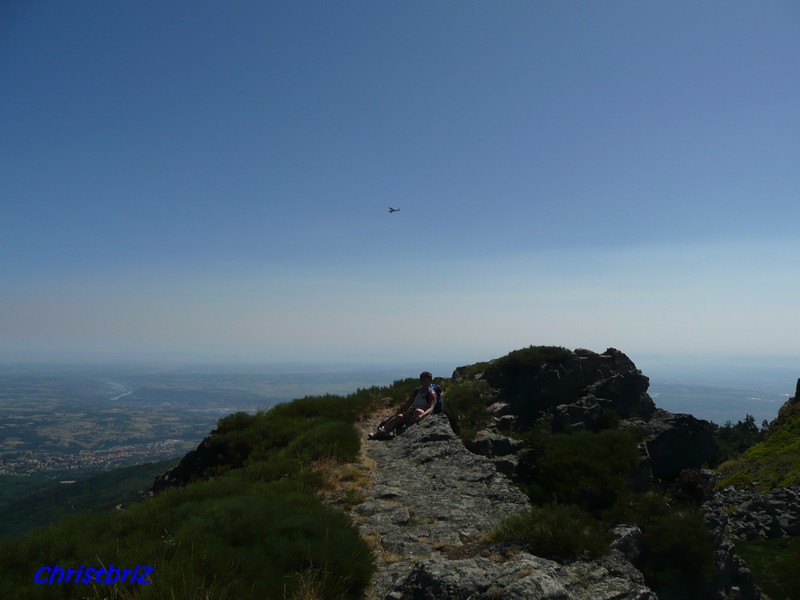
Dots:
pixel 733 514
pixel 430 493
pixel 675 442
pixel 525 577
pixel 588 391
pixel 432 498
pixel 748 515
pixel 192 466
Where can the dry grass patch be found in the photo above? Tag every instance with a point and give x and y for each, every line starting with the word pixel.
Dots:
pixel 342 483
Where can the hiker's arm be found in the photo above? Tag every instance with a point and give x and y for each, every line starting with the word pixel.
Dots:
pixel 408 403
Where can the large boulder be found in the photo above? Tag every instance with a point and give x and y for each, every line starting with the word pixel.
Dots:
pixel 675 442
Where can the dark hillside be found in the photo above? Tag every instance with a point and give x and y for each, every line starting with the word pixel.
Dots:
pixel 103 491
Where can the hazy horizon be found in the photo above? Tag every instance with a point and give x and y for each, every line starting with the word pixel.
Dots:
pixel 761 377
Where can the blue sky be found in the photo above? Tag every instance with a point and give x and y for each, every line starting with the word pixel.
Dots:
pixel 212 179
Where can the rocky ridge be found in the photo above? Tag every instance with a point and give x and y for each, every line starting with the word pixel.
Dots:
pixel 431 499
pixel 580 393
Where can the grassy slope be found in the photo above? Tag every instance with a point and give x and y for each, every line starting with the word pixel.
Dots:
pixel 775 462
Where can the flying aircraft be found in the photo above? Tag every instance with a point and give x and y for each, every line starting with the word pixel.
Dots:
pixel 391 210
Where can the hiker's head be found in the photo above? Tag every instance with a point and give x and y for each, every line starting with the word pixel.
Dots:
pixel 426 376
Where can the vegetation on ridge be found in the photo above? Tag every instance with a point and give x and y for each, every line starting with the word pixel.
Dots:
pixel 772 463
pixel 251 526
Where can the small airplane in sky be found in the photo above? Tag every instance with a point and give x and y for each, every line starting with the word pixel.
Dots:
pixel 391 210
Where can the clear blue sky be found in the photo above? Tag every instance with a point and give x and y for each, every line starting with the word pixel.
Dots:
pixel 213 178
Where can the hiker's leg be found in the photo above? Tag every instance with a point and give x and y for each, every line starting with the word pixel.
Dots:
pixel 414 415
pixel 393 422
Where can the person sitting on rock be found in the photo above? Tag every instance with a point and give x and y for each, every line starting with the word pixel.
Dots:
pixel 419 405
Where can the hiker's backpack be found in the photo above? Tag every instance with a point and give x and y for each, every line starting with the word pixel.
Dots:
pixel 437 408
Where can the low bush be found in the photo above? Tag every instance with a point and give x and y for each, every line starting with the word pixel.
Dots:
pixel 583 468
pixel 774 564
pixel 675 549
pixel 555 531
pixel 466 405
pixel 250 539
pixel 676 555
pixel 526 360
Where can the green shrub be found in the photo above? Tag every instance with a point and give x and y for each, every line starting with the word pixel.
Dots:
pixel 528 359
pixel 676 555
pixel 252 540
pixel 583 468
pixel 639 508
pixel 675 550
pixel 466 404
pixel 555 531
pixel 691 486
pixel 324 439
pixel 774 564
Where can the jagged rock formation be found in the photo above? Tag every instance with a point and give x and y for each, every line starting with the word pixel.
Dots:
pixel 192 466
pixel 431 498
pixel 585 392
pixel 675 442
pixel 576 390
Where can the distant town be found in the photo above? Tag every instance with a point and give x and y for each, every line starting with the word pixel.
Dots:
pixel 30 462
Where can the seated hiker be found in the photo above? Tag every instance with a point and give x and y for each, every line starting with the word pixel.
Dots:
pixel 420 403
